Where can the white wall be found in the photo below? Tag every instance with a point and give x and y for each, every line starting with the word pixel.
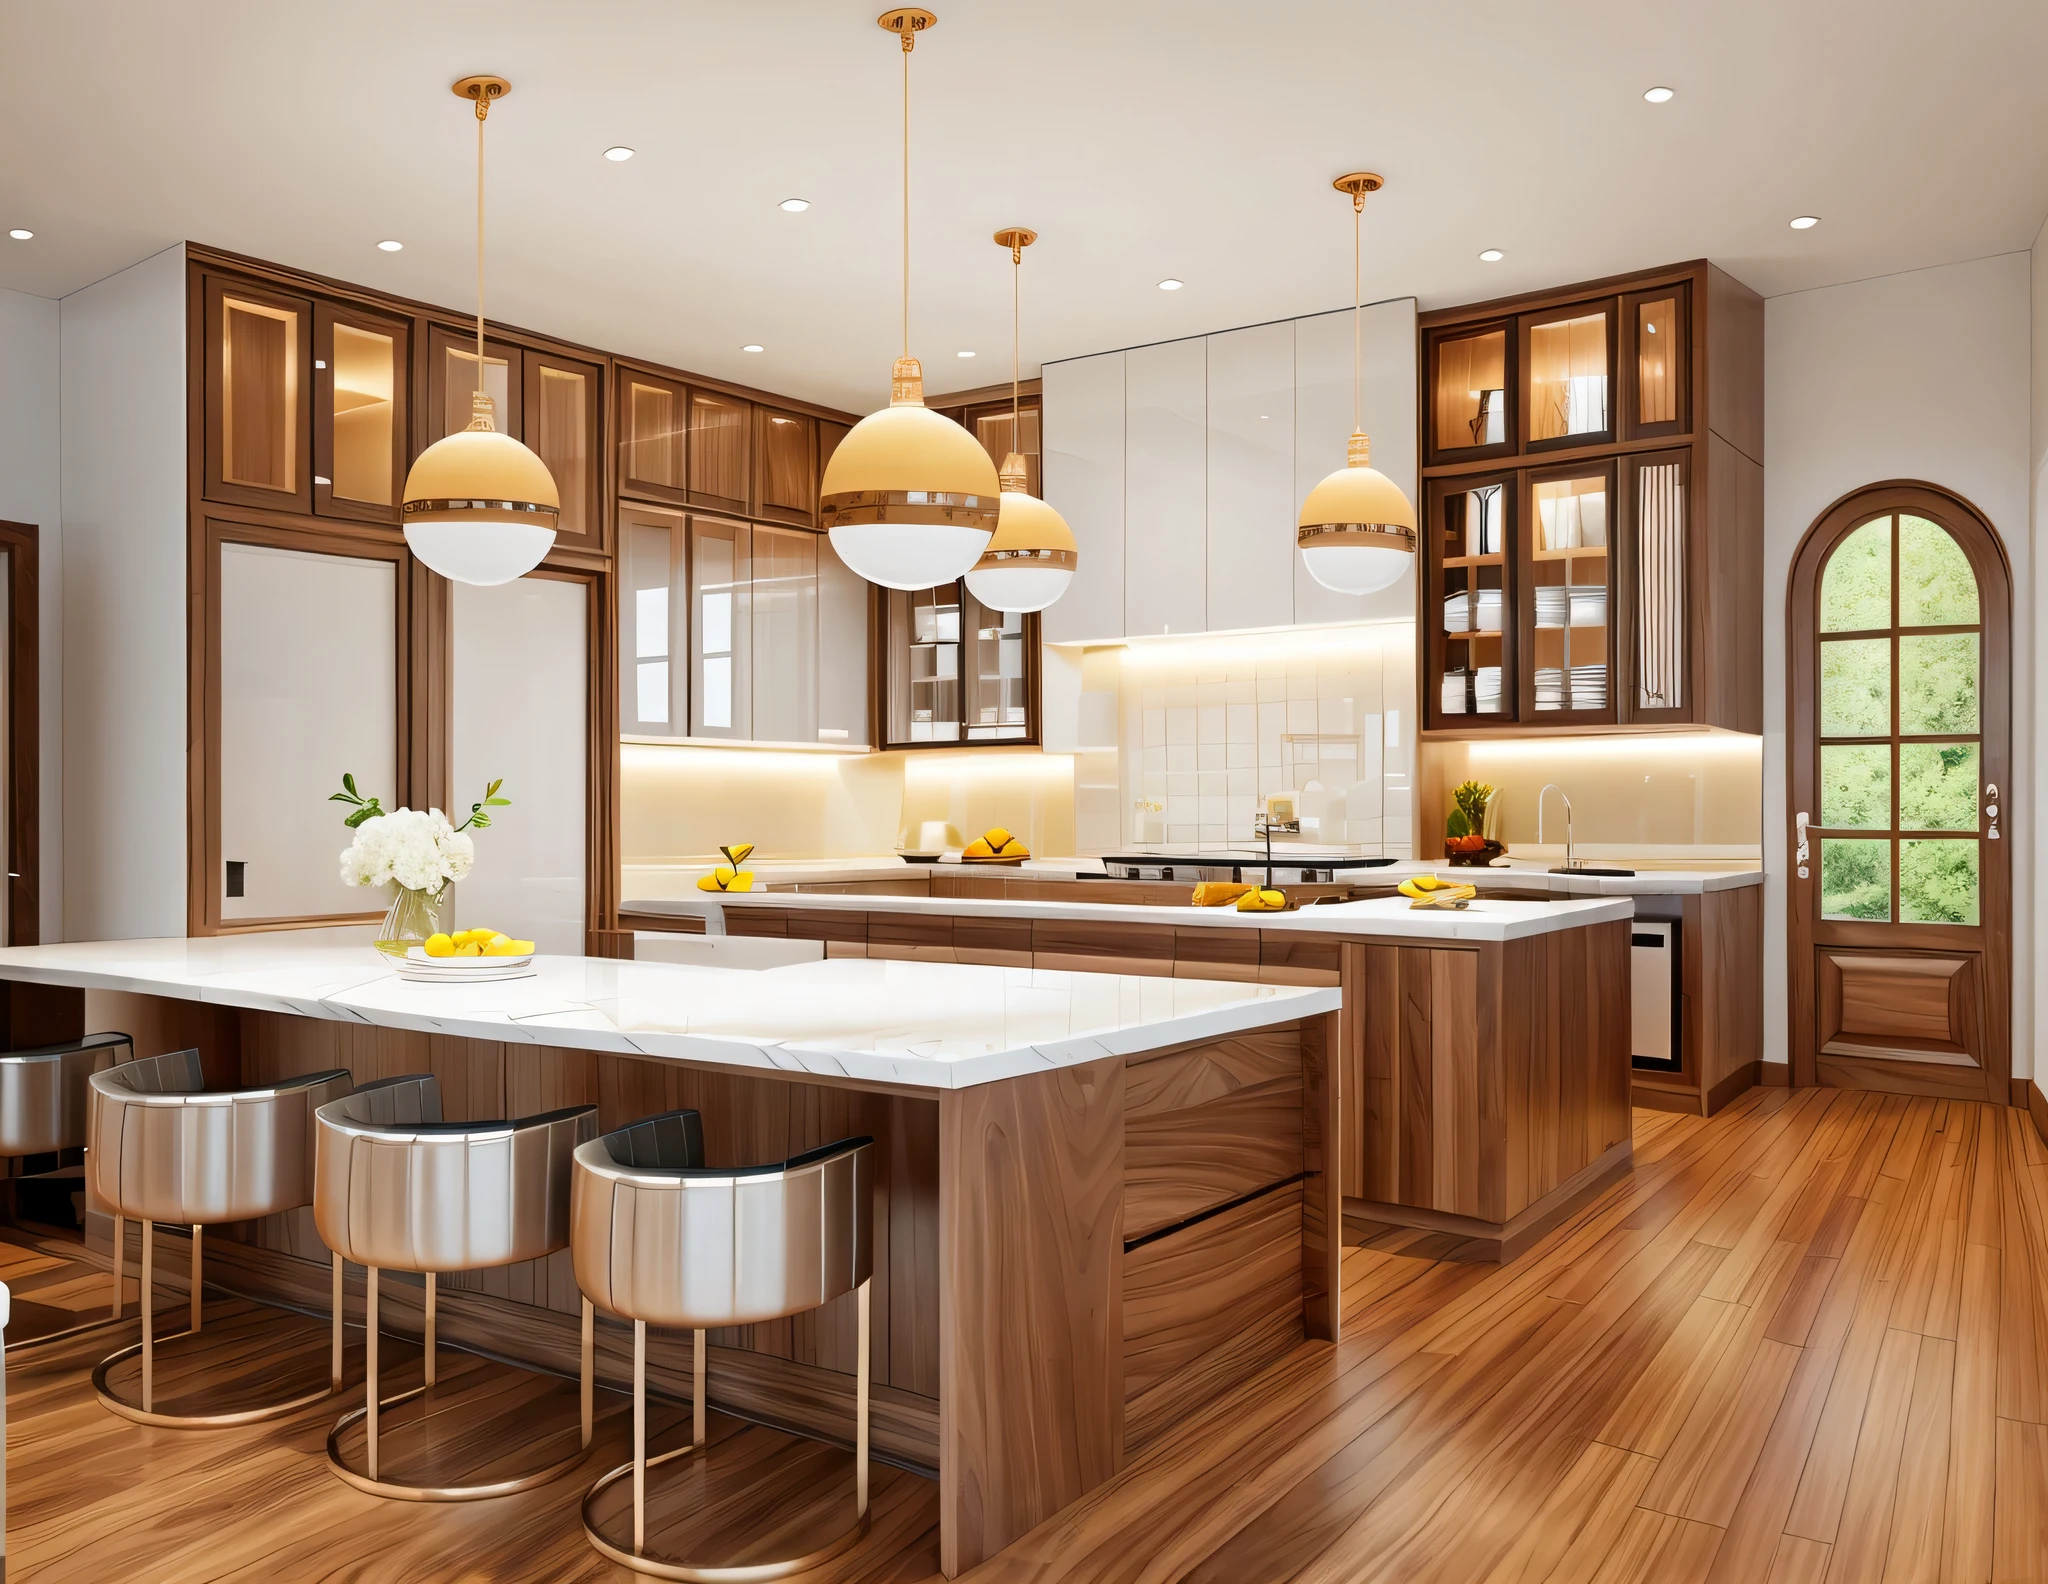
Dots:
pixel 122 354
pixel 30 491
pixel 1917 376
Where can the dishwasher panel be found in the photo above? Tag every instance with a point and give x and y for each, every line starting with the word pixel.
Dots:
pixel 1654 1030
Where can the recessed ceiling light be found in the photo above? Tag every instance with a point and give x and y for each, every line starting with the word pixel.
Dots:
pixel 1658 95
pixel 21 233
pixel 963 354
pixel 751 346
pixel 1806 222
pixel 389 246
pixel 1170 284
pixel 1492 256
pixel 618 153
pixel 794 205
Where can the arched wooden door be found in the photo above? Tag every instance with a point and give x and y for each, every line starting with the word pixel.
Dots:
pixel 1898 749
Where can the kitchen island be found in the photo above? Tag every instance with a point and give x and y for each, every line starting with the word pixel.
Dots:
pixel 1102 1199
pixel 1484 1052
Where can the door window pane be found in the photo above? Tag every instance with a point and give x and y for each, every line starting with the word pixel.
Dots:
pixel 1937 587
pixel 1856 786
pixel 1659 361
pixel 721 603
pixel 1856 588
pixel 562 441
pixel 1937 786
pixel 1856 688
pixel 646 610
pixel 1938 882
pixel 1471 394
pixel 363 373
pixel 1568 377
pixel 260 396
pixel 1938 683
pixel 1855 878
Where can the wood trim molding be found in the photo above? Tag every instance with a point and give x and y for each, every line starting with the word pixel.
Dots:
pixel 2036 1105
pixel 1494 1240
pixel 24 734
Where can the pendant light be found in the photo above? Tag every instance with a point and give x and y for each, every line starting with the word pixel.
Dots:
pixel 1357 530
pixel 1031 559
pixel 909 497
pixel 479 507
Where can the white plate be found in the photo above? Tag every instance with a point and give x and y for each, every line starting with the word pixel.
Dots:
pixel 419 967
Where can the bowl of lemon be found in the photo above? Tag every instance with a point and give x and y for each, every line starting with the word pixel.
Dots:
pixel 467 957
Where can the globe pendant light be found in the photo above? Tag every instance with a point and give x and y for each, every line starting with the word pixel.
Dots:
pixel 1357 530
pixel 909 497
pixel 1031 559
pixel 479 507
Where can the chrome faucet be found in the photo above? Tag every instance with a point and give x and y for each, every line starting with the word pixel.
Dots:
pixel 1551 786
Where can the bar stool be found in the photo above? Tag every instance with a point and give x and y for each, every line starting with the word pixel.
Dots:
pixel 45 1105
pixel 400 1189
pixel 164 1148
pixel 660 1239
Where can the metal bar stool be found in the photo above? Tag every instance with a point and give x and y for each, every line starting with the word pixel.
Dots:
pixel 45 1104
pixel 660 1239
pixel 400 1189
pixel 164 1148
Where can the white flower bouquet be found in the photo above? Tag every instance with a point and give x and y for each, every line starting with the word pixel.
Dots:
pixel 420 853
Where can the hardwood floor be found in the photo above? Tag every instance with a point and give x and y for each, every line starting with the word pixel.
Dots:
pixel 1804 1343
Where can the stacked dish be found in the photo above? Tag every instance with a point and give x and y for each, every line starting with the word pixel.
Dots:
pixel 1549 687
pixel 1589 605
pixel 1589 687
pixel 1486 690
pixel 1454 691
pixel 418 966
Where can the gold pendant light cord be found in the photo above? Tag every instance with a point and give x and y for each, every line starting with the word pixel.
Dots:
pixel 483 107
pixel 1357 311
pixel 909 43
pixel 1016 317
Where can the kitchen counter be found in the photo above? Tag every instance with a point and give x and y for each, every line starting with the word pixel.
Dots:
pixel 931 1025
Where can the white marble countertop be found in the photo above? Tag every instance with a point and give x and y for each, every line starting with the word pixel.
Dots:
pixel 931 1025
pixel 1485 919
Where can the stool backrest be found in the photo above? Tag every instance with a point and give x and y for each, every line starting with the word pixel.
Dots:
pixel 706 1246
pixel 163 1148
pixel 46 1093
pixel 398 1188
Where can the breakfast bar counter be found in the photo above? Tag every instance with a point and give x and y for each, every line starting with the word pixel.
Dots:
pixel 1101 1199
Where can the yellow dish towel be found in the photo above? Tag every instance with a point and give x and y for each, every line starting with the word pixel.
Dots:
pixel 1219 893
pixel 995 842
pixel 1450 896
pixel 1262 899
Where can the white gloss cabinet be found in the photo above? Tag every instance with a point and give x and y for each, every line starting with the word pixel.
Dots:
pixel 1083 462
pixel 1166 465
pixel 1181 468
pixel 1250 535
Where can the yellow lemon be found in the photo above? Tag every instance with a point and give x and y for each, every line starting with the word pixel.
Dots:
pixel 469 949
pixel 439 946
pixel 522 948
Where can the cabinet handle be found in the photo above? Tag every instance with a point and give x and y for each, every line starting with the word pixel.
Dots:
pixel 1800 856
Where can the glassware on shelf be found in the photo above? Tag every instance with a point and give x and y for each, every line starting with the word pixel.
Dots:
pixel 1570 599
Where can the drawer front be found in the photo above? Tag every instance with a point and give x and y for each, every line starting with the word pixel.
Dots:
pixel 1208 1125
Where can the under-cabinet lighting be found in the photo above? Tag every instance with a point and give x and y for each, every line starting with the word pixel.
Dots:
pixel 1170 284
pixel 1805 222
pixel 1658 95
pixel 21 233
pixel 794 205
pixel 752 346
pixel 618 153
pixel 1491 256
pixel 390 246
pixel 782 420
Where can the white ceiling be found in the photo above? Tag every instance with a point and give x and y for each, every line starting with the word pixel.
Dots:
pixel 1194 139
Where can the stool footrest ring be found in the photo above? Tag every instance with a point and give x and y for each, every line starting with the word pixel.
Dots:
pixel 400 1491
pixel 128 1408
pixel 700 1572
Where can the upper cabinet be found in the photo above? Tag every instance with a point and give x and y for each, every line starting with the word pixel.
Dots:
pixel 561 412
pixel 651 413
pixel 259 396
pixel 1592 551
pixel 362 372
pixel 786 479
pixel 720 447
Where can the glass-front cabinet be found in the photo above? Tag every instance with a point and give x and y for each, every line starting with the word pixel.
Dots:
pixel 258 396
pixel 560 405
pixel 954 670
pixel 362 366
pixel 1571 577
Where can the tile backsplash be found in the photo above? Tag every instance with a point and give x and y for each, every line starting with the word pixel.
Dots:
pixel 1208 726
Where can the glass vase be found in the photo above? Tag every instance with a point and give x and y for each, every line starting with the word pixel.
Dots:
pixel 413 917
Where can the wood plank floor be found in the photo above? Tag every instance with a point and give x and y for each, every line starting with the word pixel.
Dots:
pixel 1804 1343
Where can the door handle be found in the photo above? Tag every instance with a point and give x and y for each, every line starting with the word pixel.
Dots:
pixel 1800 855
pixel 1991 809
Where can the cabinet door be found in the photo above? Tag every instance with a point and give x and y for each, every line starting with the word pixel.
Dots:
pixel 1656 362
pixel 362 372
pixel 1568 386
pixel 1567 600
pixel 999 669
pixel 259 426
pixel 1083 409
pixel 785 483
pixel 1470 639
pixel 783 622
pixel 1002 431
pixel 721 648
pixel 652 414
pixel 1165 488
pixel 844 658
pixel 561 428
pixel 653 656
pixel 451 382
pixel 921 644
pixel 1250 536
pixel 720 431
pixel 1470 392
pixel 1656 577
